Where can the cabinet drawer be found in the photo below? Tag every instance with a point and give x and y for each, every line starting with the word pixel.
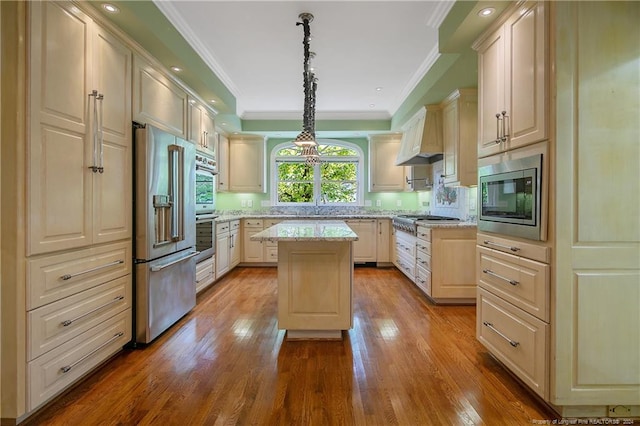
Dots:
pixel 222 228
pixel 518 248
pixel 52 278
pixel 406 264
pixel 51 325
pixel 234 225
pixel 406 248
pixel 424 233
pixel 54 371
pixel 272 254
pixel 423 260
pixel 423 246
pixel 205 273
pixel 423 280
pixel 253 223
pixel 516 338
pixel 268 223
pixel 522 282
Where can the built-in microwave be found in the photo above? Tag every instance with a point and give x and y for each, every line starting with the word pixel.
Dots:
pixel 509 197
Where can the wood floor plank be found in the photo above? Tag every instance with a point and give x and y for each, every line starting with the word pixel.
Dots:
pixel 405 362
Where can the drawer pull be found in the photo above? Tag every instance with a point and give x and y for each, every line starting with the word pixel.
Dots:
pixel 511 342
pixel 491 243
pixel 67 323
pixel 68 368
pixel 493 274
pixel 97 268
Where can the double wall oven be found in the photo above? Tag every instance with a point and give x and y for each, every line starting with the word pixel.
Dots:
pixel 205 203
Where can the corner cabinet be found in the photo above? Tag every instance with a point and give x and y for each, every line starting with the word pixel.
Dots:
pixel 247 164
pixel 459 138
pixel 384 175
pixel 513 80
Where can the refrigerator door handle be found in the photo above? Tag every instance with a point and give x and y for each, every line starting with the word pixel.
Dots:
pixel 161 266
pixel 176 191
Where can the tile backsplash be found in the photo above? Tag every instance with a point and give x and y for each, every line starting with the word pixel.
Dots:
pixel 460 202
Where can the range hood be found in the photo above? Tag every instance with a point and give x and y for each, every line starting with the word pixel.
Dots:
pixel 421 137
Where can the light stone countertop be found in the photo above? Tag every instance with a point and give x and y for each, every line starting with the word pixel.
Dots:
pixel 307 230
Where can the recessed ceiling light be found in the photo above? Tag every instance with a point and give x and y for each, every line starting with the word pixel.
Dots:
pixel 378 89
pixel 213 101
pixel 487 11
pixel 176 69
pixel 372 105
pixel 110 8
pixel 224 124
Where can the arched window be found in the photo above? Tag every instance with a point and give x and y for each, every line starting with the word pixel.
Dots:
pixel 336 180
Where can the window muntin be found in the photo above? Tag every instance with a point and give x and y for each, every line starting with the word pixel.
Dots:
pixel 336 180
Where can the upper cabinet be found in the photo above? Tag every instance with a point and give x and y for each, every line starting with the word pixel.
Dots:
pixel 202 130
pixel 79 189
pixel 459 138
pixel 157 99
pixel 422 136
pixel 222 158
pixel 246 164
pixel 384 175
pixel 513 80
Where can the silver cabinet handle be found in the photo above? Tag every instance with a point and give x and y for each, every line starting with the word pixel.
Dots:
pixel 97 268
pixel 173 262
pixel 510 281
pixel 491 243
pixel 67 323
pixel 504 136
pixel 100 98
pixel 495 330
pixel 68 368
pixel 94 94
pixel 497 140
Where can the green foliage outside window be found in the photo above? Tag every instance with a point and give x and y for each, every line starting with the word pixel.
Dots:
pixel 334 180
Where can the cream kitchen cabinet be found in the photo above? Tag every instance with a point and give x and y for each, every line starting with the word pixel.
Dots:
pixel 364 249
pixel 253 251
pixel 202 131
pixel 79 189
pixel 227 246
pixel 459 138
pixel 222 158
pixel 205 273
pixel 384 175
pixel 247 164
pixel 383 241
pixel 405 253
pixel 513 80
pixel 158 99
pixel 446 256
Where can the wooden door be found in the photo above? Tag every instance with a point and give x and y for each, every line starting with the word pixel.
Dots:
pixel 112 190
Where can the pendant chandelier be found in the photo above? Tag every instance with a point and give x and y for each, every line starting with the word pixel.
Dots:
pixel 307 138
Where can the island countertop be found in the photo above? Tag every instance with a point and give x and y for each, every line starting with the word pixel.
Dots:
pixel 307 230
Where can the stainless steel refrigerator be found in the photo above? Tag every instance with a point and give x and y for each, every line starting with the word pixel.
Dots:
pixel 164 211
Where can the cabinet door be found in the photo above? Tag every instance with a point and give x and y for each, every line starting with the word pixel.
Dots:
pixel 452 251
pixel 451 142
pixel 364 249
pixel 491 75
pixel 383 243
pixel 195 122
pixel 209 137
pixel 526 56
pixel 246 171
pixel 235 249
pixel 158 100
pixel 384 175
pixel 223 244
pixel 253 251
pixel 112 191
pixel 59 196
pixel 223 163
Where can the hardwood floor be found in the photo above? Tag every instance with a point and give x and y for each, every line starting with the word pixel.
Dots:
pixel 405 362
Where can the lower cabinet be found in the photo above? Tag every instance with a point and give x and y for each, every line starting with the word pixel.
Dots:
pixel 205 273
pixel 78 315
pixel 445 263
pixel 405 253
pixel 227 246
pixel 364 249
pixel 252 251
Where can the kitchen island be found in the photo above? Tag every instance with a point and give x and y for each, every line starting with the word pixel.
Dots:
pixel 315 277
